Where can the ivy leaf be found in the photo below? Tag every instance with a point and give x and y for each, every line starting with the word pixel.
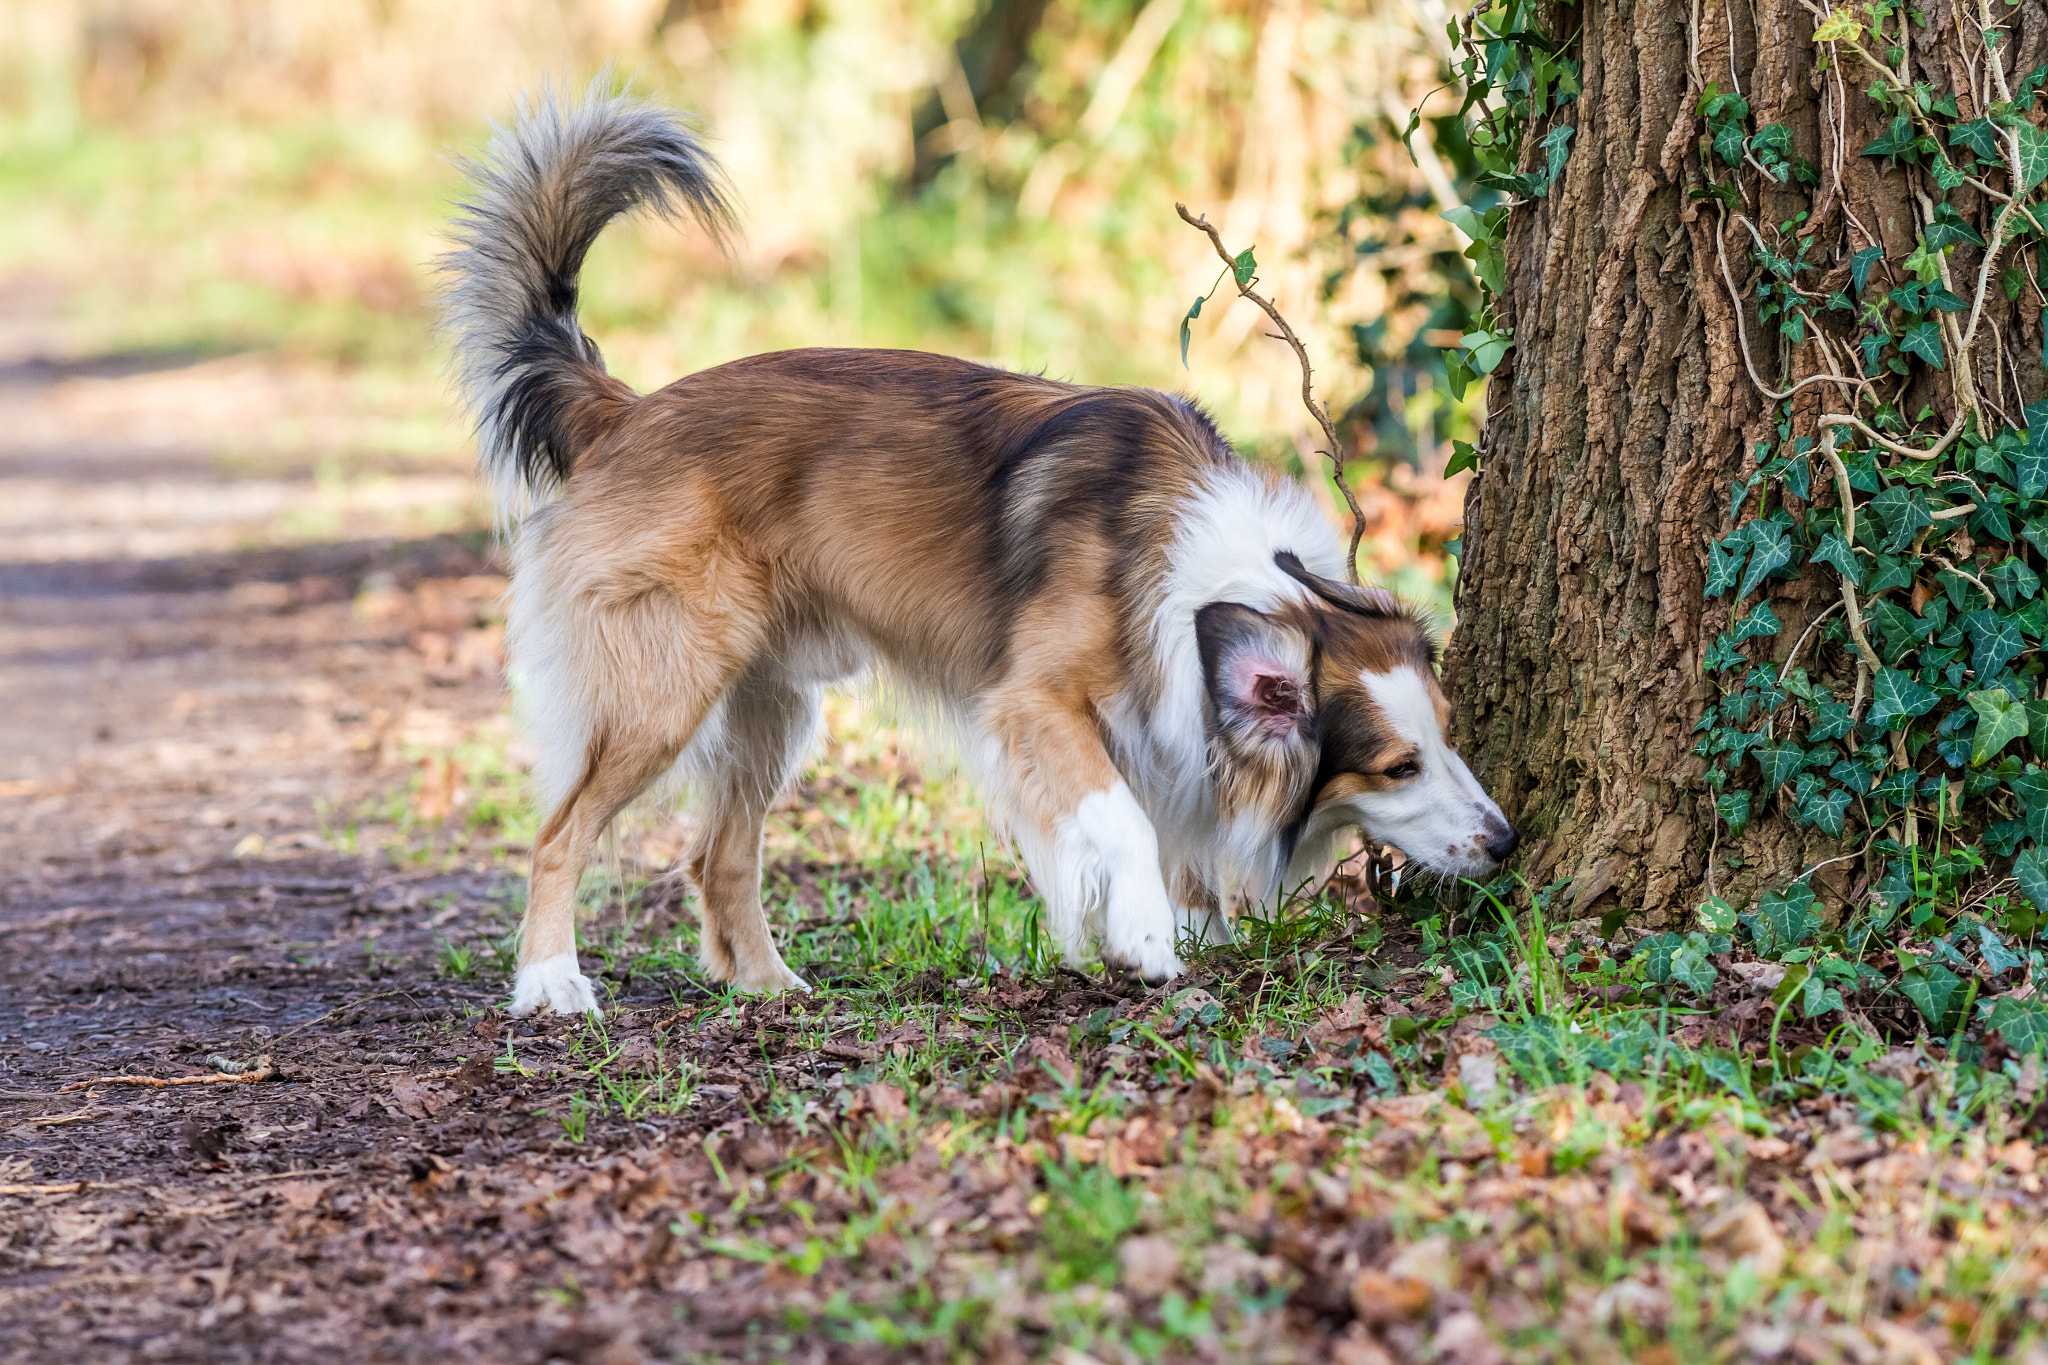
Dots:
pixel 1947 174
pixel 1835 551
pixel 1950 228
pixel 1722 655
pixel 1896 698
pixel 1728 143
pixel 1689 965
pixel 1995 641
pixel 1860 263
pixel 1242 266
pixel 2000 721
pixel 1556 147
pixel 1186 328
pixel 1733 808
pixel 1999 958
pixel 2032 463
pixel 2023 1024
pixel 1818 997
pixel 1724 562
pixel 2033 167
pixel 2010 578
pixel 1901 631
pixel 1979 136
pixel 1936 992
pixel 1940 300
pixel 2031 787
pixel 1760 621
pixel 1463 457
pixel 1923 339
pixel 1857 777
pixel 1888 572
pixel 1831 720
pixel 1773 552
pixel 1825 811
pixel 1782 920
pixel 1897 141
pixel 2026 870
pixel 1904 513
pixel 1781 762
pixel 1838 26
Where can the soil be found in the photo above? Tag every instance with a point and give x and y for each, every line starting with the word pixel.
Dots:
pixel 180 736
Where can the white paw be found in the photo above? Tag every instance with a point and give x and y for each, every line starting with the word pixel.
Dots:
pixel 1142 940
pixel 556 983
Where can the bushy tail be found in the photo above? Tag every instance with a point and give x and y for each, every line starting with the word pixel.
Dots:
pixel 543 191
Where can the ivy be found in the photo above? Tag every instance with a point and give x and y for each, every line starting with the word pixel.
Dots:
pixel 1897 715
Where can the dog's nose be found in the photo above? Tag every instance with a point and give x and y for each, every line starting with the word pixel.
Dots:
pixel 1501 845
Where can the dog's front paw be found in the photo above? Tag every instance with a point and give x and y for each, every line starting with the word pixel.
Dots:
pixel 555 983
pixel 1150 955
pixel 1140 937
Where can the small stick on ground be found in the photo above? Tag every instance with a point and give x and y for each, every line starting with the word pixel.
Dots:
pixel 262 1071
pixel 1308 397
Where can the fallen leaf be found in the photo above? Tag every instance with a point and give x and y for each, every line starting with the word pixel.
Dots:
pixel 1380 1298
pixel 1747 1233
pixel 887 1102
pixel 1150 1266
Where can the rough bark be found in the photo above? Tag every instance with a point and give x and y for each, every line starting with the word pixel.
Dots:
pixel 1626 410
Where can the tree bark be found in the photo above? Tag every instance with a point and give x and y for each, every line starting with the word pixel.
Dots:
pixel 1627 408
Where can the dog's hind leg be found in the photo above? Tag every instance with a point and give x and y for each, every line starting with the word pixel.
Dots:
pixel 769 725
pixel 630 681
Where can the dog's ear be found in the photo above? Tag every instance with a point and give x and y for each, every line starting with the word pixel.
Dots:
pixel 1257 671
pixel 1364 601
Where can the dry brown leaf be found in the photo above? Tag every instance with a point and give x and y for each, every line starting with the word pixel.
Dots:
pixel 1380 1298
pixel 1747 1233
pixel 1151 1265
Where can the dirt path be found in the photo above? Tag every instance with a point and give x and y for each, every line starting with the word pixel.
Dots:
pixel 186 728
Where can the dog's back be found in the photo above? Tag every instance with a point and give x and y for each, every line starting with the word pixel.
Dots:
pixel 1032 558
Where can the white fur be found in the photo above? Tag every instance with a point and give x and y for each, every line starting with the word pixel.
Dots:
pixel 555 982
pixel 1441 818
pixel 1222 551
pixel 1105 882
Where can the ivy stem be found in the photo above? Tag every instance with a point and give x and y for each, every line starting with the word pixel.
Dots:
pixel 1989 597
pixel 1836 419
pixel 1793 658
pixel 1868 655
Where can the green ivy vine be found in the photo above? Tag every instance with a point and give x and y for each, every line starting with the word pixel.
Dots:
pixel 1907 721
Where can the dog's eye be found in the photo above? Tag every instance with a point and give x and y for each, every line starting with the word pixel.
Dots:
pixel 1406 768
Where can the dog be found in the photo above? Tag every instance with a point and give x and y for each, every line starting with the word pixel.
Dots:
pixel 1143 648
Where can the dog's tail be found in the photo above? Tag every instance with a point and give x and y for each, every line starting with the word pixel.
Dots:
pixel 543 191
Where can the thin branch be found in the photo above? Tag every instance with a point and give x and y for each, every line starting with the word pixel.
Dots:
pixel 1308 397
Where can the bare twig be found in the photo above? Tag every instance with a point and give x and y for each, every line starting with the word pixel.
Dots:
pixel 262 1071
pixel 1308 397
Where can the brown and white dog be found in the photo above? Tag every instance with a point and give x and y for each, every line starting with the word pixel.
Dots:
pixel 1142 647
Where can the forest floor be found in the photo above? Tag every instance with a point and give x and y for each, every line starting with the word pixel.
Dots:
pixel 260 830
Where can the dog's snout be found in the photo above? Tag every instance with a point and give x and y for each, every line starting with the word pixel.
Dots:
pixel 1499 846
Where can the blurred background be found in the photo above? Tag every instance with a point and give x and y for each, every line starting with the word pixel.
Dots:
pixel 255 188
pixel 249 600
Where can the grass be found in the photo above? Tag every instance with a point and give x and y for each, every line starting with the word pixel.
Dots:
pixel 955 1146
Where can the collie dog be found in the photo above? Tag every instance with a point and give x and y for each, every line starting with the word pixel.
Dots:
pixel 1145 650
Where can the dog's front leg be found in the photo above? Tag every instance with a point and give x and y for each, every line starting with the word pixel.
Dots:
pixel 1091 849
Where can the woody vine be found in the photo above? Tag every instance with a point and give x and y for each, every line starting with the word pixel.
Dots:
pixel 1906 725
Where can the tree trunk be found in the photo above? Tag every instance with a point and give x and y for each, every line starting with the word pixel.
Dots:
pixel 1627 408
